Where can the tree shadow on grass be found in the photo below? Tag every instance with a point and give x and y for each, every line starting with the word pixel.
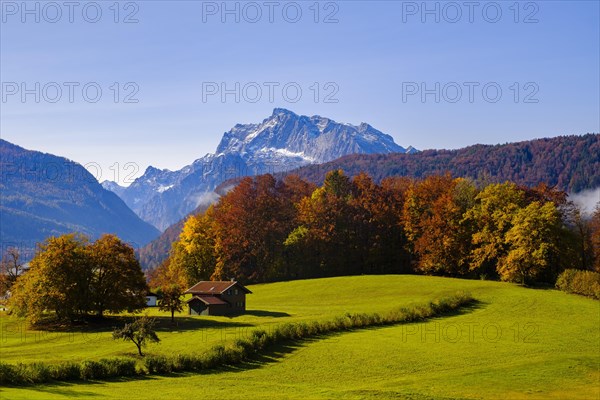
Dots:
pixel 466 309
pixel 274 354
pixel 107 324
pixel 164 324
pixel 64 388
pixel 539 286
pixel 263 313
pixel 194 323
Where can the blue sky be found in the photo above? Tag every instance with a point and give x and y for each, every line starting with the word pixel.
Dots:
pixel 354 61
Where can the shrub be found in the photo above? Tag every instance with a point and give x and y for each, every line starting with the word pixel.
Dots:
pixel 158 364
pixel 246 346
pixel 285 332
pixel 114 367
pixel 586 283
pixel 65 372
pixel 234 354
pixel 565 279
pixel 316 327
pixel 20 374
pixel 185 362
pixel 214 357
pixel 92 370
pixel 10 374
pixel 36 372
pixel 258 338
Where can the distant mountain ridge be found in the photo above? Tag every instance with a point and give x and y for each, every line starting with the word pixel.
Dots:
pixel 568 163
pixel 46 195
pixel 281 142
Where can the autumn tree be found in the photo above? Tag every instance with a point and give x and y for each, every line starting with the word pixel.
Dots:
pixel 242 236
pixel 117 281
pixel 378 236
pixel 544 193
pixel 171 300
pixel 433 221
pixel 71 277
pixel 58 280
pixel 325 230
pixel 294 189
pixel 193 255
pixel 464 196
pixel 167 273
pixel 237 233
pixel 533 242
pixel 252 222
pixel 491 218
pixel 396 191
pixel 418 207
pixel 295 260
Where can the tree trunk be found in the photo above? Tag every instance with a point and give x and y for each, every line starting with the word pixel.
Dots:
pixel 172 317
pixel 139 346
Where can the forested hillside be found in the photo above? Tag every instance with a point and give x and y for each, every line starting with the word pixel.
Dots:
pixel 155 252
pixel 569 163
pixel 45 195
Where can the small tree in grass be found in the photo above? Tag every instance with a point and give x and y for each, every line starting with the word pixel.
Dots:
pixel 140 332
pixel 171 300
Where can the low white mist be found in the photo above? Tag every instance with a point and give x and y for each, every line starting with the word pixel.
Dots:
pixel 206 198
pixel 586 200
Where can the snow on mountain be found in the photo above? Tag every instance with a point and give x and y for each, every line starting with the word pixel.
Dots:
pixel 113 187
pixel 316 139
pixel 152 182
pixel 283 141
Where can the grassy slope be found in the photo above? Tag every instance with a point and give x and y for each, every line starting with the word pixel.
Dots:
pixel 548 348
pixel 269 304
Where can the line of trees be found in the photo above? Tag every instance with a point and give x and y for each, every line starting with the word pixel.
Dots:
pixel 266 230
pixel 71 278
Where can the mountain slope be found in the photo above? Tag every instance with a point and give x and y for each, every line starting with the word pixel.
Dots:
pixel 313 139
pixel 281 142
pixel 45 195
pixel 570 163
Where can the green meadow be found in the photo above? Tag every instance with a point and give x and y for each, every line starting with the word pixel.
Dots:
pixel 515 343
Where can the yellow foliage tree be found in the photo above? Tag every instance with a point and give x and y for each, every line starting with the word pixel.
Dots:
pixel 533 242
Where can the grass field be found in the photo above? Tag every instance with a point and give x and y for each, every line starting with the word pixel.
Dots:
pixel 517 343
pixel 269 304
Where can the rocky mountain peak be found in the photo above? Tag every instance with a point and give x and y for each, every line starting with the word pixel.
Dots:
pixel 283 141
